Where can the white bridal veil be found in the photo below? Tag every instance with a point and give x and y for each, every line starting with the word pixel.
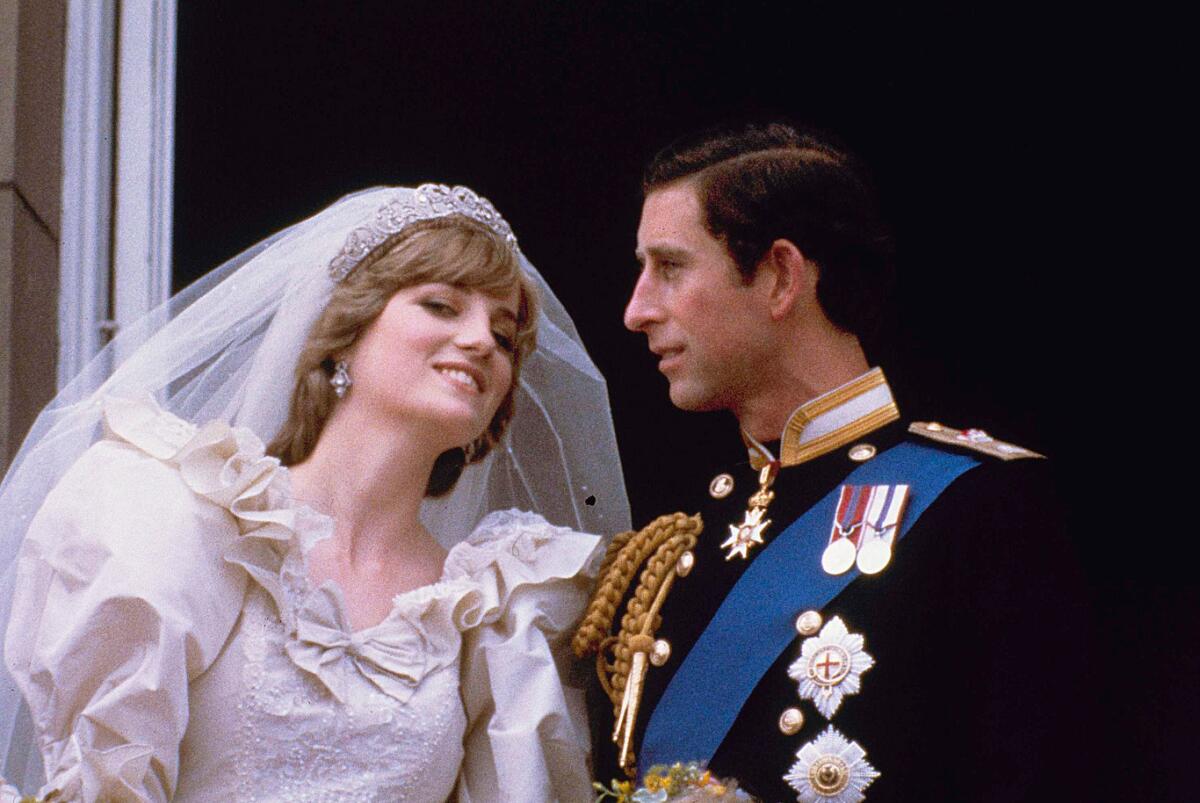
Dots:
pixel 226 348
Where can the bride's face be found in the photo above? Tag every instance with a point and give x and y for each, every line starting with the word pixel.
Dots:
pixel 438 353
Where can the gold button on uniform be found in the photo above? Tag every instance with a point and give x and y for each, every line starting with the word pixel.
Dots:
pixel 683 566
pixel 791 721
pixel 660 653
pixel 862 452
pixel 721 486
pixel 808 623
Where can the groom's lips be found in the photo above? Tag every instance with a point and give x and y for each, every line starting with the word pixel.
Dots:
pixel 668 357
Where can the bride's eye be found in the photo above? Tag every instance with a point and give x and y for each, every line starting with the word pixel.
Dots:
pixel 440 307
pixel 504 341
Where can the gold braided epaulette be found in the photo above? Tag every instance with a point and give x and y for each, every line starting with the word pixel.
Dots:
pixel 621 658
pixel 974 439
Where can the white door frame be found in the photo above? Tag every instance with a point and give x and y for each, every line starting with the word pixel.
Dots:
pixel 118 171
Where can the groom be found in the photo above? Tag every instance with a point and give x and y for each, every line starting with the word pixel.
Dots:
pixel 865 605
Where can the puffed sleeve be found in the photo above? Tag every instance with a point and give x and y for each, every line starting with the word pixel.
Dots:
pixel 122 598
pixel 527 734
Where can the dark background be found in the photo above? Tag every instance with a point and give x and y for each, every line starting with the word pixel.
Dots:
pixel 979 125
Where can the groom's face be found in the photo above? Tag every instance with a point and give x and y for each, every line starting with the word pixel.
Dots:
pixel 697 313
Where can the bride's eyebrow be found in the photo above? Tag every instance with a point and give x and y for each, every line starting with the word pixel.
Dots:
pixel 433 288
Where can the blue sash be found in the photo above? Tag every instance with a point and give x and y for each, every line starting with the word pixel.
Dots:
pixel 754 624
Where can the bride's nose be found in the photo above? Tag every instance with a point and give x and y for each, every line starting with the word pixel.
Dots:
pixel 474 333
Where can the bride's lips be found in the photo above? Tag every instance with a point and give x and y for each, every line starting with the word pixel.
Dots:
pixel 462 375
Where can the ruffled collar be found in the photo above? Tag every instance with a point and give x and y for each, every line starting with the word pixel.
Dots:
pixel 423 631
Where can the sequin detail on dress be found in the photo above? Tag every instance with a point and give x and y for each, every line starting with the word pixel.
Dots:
pixel 370 748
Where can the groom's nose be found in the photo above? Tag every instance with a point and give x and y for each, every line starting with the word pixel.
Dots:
pixel 642 308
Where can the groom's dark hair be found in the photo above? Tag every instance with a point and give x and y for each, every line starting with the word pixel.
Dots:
pixel 759 184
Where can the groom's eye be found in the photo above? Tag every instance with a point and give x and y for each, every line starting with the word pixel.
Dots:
pixel 668 267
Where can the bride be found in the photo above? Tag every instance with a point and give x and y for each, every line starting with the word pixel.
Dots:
pixel 198 616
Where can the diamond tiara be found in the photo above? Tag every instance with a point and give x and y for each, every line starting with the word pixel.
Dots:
pixel 427 202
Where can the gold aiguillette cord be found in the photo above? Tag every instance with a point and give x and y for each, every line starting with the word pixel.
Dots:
pixel 640 645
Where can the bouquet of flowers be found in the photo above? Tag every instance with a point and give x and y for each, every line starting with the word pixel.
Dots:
pixel 679 783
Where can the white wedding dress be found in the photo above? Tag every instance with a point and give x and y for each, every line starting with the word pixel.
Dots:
pixel 171 647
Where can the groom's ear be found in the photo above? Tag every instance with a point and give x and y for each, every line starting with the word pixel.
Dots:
pixel 791 279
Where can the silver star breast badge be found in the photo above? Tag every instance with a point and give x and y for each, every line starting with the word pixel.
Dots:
pixel 831 769
pixel 830 666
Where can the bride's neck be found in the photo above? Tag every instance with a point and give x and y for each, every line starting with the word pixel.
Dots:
pixel 370 475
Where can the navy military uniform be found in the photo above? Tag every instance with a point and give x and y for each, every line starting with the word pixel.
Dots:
pixel 976 628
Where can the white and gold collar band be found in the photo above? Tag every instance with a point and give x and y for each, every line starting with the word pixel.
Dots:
pixel 830 421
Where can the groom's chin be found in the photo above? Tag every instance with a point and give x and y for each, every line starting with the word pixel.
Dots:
pixel 691 397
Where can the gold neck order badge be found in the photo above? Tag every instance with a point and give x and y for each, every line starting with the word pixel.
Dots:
pixel 744 536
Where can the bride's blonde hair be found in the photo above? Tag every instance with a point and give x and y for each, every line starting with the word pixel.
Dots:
pixel 455 250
